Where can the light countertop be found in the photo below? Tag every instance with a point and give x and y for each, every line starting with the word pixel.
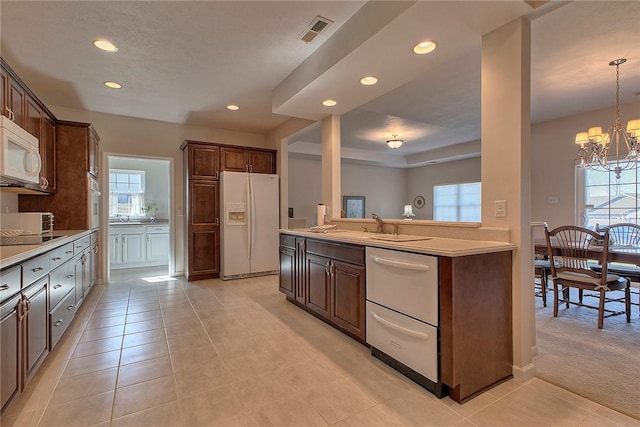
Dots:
pixel 434 246
pixel 10 255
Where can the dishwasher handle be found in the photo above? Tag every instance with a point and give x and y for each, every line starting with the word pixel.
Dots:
pixel 400 264
pixel 399 328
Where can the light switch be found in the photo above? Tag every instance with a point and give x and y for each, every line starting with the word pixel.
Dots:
pixel 501 208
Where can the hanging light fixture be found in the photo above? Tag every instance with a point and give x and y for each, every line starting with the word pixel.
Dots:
pixel 595 146
pixel 394 142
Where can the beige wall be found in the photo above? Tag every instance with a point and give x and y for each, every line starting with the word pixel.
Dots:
pixel 422 180
pixel 553 161
pixel 131 136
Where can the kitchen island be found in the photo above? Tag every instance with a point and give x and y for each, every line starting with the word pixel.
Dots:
pixel 411 299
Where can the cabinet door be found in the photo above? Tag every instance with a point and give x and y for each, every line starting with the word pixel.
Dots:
pixel 48 154
pixel 300 276
pixel 115 249
pixel 9 356
pixel 93 261
pixel 4 98
pixel 318 284
pixel 79 279
pixel 133 248
pixel 204 238
pixel 86 272
pixel 158 247
pixel 204 161
pixel 37 321
pixel 93 152
pixel 234 159
pixel 34 118
pixel 15 101
pixel 348 297
pixel 262 161
pixel 287 271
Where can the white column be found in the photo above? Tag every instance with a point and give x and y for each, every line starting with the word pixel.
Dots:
pixel 505 164
pixel 331 187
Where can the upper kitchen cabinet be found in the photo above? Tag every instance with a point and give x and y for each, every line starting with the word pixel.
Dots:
pixel 204 161
pixel 28 112
pixel 247 160
pixel 70 203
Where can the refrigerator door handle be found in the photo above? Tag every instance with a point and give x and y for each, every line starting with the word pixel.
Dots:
pixel 252 204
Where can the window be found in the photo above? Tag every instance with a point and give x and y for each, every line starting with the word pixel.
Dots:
pixel 457 202
pixel 126 193
pixel 607 200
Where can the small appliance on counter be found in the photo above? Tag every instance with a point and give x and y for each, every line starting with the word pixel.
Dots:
pixel 30 223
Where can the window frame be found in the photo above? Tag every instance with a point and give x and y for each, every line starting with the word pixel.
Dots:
pixel 112 194
pixel 458 205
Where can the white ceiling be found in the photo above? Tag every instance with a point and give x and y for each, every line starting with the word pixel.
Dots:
pixel 183 62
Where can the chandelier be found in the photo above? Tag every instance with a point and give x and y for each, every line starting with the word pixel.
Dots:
pixel 394 142
pixel 595 146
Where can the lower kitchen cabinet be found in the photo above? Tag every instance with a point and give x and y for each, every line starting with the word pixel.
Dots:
pixel 326 279
pixel 9 348
pixel 138 246
pixel 36 325
pixel 38 301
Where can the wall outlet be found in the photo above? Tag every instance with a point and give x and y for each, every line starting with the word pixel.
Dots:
pixel 501 208
pixel 552 200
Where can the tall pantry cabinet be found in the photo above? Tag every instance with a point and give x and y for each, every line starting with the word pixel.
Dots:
pixel 203 163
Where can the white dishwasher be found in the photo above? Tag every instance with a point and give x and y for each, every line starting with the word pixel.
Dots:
pixel 402 313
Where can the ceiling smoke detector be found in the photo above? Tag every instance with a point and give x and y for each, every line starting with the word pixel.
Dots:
pixel 317 25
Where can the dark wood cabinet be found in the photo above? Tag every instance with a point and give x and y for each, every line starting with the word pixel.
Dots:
pixel 202 216
pixel 203 163
pixel 247 160
pixel 36 326
pixel 327 279
pixel 28 112
pixel 70 203
pixel 318 285
pixel 48 154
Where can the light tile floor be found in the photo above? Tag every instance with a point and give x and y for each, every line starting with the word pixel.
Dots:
pixel 214 353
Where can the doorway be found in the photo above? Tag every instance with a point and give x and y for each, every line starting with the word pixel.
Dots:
pixel 137 206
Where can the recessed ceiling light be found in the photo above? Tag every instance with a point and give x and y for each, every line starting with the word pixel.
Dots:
pixel 369 80
pixel 105 45
pixel 232 107
pixel 426 46
pixel 329 102
pixel 113 85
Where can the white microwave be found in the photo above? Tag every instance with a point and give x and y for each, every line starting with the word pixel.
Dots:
pixel 20 160
pixel 31 223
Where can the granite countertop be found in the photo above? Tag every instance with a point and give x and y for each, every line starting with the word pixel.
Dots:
pixel 10 255
pixel 432 246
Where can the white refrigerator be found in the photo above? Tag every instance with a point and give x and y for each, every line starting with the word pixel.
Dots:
pixel 250 221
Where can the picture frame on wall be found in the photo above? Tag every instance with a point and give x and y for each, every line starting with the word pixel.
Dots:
pixel 353 206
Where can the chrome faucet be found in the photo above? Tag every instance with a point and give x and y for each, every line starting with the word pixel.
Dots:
pixel 379 223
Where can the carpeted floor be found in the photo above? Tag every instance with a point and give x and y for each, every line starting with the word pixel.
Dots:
pixel 601 365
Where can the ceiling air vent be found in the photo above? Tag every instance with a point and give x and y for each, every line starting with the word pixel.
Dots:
pixel 317 25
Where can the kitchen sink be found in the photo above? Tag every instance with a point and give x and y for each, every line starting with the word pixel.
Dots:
pixel 398 237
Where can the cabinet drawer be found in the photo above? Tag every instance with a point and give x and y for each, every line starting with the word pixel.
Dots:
pixel 152 229
pixel 9 282
pixel 81 244
pixel 35 268
pixel 59 256
pixel 61 281
pixel 404 282
pixel 288 241
pixel 407 340
pixel 61 316
pixel 348 253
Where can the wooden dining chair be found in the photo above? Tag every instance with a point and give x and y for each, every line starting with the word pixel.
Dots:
pixel 624 235
pixel 578 247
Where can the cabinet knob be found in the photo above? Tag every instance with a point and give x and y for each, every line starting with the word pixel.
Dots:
pixel 59 322
pixel 69 276
pixel 4 287
pixel 56 258
pixel 70 307
pixel 57 286
pixel 37 269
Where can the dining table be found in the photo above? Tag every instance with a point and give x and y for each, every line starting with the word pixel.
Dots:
pixel 617 253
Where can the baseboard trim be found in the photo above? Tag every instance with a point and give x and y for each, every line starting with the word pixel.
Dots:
pixel 534 350
pixel 525 373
